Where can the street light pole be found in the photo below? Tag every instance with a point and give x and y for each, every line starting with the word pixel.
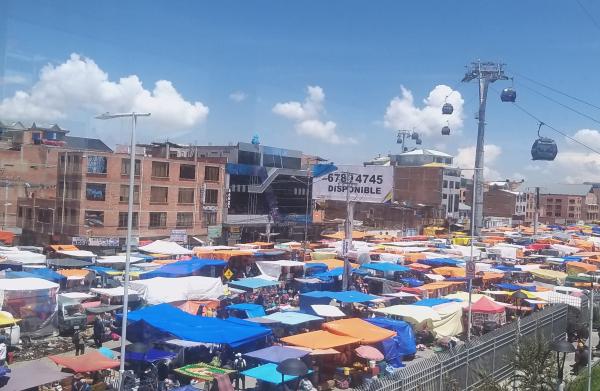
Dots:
pixel 133 117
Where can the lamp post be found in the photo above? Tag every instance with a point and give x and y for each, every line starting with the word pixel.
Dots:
pixel 561 348
pixel 133 117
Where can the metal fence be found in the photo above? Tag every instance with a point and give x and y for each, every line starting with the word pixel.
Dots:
pixel 459 369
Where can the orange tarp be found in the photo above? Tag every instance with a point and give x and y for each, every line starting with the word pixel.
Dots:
pixel 333 263
pixel 7 237
pixel 74 272
pixel 358 328
pixel 224 255
pixel 262 245
pixel 319 339
pixel 492 276
pixel 89 362
pixel 63 247
pixel 192 306
pixel 439 285
pixel 414 257
pixel 419 266
pixel 579 267
pixel 358 235
pixel 587 254
pixel 583 244
pixel 449 271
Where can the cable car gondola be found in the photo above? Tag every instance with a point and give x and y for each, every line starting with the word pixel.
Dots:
pixel 508 95
pixel 446 131
pixel 419 141
pixel 414 136
pixel 447 109
pixel 543 148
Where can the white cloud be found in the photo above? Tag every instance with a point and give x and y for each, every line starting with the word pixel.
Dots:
pixel 465 158
pixel 80 85
pixel 403 113
pixel 13 79
pixel 238 96
pixel 307 117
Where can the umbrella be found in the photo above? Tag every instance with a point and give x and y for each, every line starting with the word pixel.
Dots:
pixel 277 354
pixel 292 367
pixel 369 353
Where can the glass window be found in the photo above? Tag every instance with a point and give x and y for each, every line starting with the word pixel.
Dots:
pixel 93 218
pixel 444 196
pixel 211 196
pixel 187 171
pixel 445 185
pixel 125 167
pixel 96 165
pixel 185 219
pixel 160 169
pixel 185 196
pixel 124 194
pixel 123 220
pixel 210 218
pixel 158 220
pixel 211 173
pixel 95 191
pixel 159 195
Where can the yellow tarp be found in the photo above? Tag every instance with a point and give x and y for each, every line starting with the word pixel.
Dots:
pixel 318 255
pixel 358 235
pixel 74 272
pixel 449 271
pixel 6 319
pixel 574 268
pixel 555 276
pixel 63 247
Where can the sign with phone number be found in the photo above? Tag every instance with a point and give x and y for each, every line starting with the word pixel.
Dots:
pixel 361 184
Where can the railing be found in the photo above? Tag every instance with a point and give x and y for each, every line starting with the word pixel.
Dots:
pixel 488 354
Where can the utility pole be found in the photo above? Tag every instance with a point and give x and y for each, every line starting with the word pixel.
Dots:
pixel 536 215
pixel 485 73
pixel 347 242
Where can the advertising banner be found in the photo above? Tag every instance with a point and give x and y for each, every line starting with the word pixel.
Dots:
pixel 372 184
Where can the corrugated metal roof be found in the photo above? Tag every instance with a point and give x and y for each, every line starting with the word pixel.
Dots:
pixel 425 152
pixel 86 144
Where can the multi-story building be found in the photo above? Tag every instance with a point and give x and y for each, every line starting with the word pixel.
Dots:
pixel 567 204
pixel 92 192
pixel 28 160
pixel 268 190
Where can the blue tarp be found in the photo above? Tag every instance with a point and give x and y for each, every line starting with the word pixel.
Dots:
pixel 385 267
pixel 322 169
pixel 411 282
pixel 183 268
pixel 44 273
pixel 277 354
pixel 513 287
pixel 432 302
pixel 253 283
pixel 11 274
pixel 268 373
pixel 312 268
pixel 572 259
pixel 324 297
pixel 333 273
pixel 505 268
pixel 404 343
pixel 252 310
pixel 149 356
pixel 164 321
pixel 103 270
pixel 269 253
pixel 438 262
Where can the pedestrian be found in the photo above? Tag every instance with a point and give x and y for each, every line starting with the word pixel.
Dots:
pixel 3 351
pixel 98 331
pixel 78 341
pixel 239 364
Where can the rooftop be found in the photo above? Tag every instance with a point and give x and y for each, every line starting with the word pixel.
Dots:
pixel 86 144
pixel 559 188
pixel 431 152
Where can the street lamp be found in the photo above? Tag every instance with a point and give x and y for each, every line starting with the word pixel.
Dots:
pixel 563 347
pixel 133 117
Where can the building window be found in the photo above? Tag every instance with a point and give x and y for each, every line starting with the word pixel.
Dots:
pixel 158 220
pixel 95 191
pixel 187 171
pixel 159 195
pixel 571 215
pixel 185 219
pixel 211 174
pixel 185 196
pixel 160 169
pixel 457 185
pixel 124 194
pixel 571 201
pixel 571 208
pixel 96 165
pixel 93 218
pixel 211 196
pixel 445 185
pixel 210 218
pixel 123 220
pixel 125 167
pixel 444 196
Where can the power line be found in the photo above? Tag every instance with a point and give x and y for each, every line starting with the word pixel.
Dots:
pixel 558 91
pixel 589 14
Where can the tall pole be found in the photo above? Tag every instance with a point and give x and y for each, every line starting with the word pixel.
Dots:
pixel 590 347
pixel 307 212
pixel 5 203
pixel 536 215
pixel 485 73
pixel 472 260
pixel 64 189
pixel 347 234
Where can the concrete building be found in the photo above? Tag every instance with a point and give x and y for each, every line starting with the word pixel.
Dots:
pixel 28 160
pixel 92 191
pixel 567 204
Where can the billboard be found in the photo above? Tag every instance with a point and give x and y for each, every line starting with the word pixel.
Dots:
pixel 372 184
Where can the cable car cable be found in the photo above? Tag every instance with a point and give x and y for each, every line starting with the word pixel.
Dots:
pixel 589 14
pixel 557 90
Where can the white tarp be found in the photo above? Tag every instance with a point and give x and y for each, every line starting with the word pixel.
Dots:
pixel 464 251
pixel 327 311
pixel 414 314
pixel 450 322
pixel 165 247
pixel 76 295
pixel 115 292
pixel 565 250
pixel 117 259
pixel 273 268
pixel 77 253
pixel 23 257
pixel 26 284
pixel 505 251
pixel 166 290
pixel 435 277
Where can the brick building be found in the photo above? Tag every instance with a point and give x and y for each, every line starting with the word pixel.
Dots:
pixel 28 160
pixel 92 192
pixel 567 204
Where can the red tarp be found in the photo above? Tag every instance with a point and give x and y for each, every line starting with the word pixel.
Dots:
pixel 487 306
pixel 89 362
pixel 7 237
pixel 537 246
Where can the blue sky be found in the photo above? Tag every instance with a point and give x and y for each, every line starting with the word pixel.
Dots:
pixel 358 53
